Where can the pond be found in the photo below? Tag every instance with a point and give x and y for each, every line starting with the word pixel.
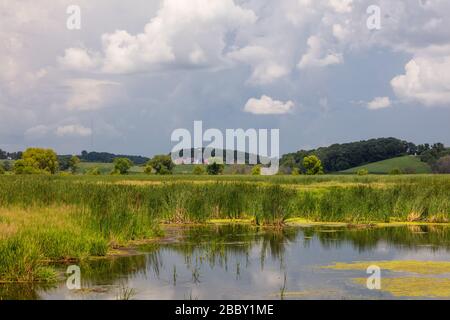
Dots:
pixel 248 262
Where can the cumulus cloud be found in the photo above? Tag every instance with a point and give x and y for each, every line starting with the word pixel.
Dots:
pixel 379 103
pixel 265 68
pixel 266 105
pixel 341 6
pixel 90 94
pixel 73 130
pixel 36 132
pixel 318 55
pixel 79 59
pixel 426 79
pixel 182 34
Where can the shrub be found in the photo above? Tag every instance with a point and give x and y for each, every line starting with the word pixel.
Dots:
pixel 199 170
pixel 256 170
pixel 362 172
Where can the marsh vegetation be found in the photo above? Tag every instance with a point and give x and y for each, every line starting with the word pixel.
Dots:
pixel 47 219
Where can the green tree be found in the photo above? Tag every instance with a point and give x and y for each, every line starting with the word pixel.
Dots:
pixel 313 165
pixel 295 172
pixel 256 170
pixel 74 163
pixel 199 170
pixel 148 169
pixel 215 169
pixel 37 161
pixel 162 164
pixel 122 165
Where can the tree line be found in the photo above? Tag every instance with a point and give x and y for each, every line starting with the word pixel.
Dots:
pixel 339 157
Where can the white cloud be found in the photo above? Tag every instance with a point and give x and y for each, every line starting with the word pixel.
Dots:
pixel 182 34
pixel 90 94
pixel 318 55
pixel 341 6
pixel 36 132
pixel 78 59
pixel 379 103
pixel 266 105
pixel 426 79
pixel 73 130
pixel 265 68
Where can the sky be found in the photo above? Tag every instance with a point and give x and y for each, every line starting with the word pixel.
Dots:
pixel 116 76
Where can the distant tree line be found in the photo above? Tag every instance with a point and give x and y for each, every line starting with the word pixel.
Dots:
pixel 10 155
pixel 339 157
pixel 105 157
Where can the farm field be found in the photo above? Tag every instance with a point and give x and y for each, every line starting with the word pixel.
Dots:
pixel 409 164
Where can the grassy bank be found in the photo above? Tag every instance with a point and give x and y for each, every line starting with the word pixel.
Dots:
pixel 404 164
pixel 49 218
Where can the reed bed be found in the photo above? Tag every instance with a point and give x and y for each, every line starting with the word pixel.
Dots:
pixel 51 218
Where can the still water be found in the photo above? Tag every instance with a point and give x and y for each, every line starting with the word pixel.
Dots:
pixel 247 262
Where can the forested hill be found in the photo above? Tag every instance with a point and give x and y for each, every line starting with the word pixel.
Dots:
pixel 339 157
pixel 105 157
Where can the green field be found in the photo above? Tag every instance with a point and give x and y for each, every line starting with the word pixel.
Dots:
pixel 105 168
pixel 409 164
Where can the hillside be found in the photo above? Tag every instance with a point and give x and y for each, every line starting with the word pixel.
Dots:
pixel 105 168
pixel 410 164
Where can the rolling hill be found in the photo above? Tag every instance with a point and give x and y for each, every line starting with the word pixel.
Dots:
pixel 411 164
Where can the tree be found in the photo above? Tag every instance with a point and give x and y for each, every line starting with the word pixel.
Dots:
pixel 215 169
pixel 256 170
pixel 162 164
pixel 313 165
pixel 122 165
pixel 37 161
pixel 295 172
pixel 148 169
pixel 74 164
pixel 199 170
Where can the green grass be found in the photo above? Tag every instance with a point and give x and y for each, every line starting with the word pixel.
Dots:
pixel 105 168
pixel 50 218
pixel 410 164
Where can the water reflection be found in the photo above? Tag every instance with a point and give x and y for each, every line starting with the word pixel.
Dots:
pixel 247 262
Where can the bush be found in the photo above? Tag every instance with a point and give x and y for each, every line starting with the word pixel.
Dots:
pixel 122 165
pixel 148 169
pixel 199 170
pixel 395 172
pixel 256 170
pixel 442 165
pixel 295 172
pixel 362 172
pixel 215 169
pixel 162 164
